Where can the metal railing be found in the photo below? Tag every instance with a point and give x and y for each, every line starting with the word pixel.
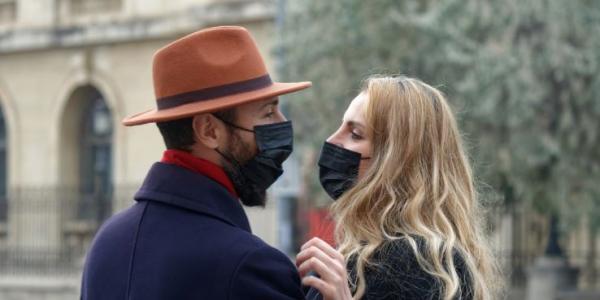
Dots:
pixel 520 235
pixel 48 230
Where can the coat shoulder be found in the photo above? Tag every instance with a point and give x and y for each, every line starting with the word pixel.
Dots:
pixel 109 256
pixel 191 254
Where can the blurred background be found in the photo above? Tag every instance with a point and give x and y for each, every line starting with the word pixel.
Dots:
pixel 523 77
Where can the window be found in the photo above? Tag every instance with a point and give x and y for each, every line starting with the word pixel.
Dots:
pixel 8 11
pixel 95 160
pixel 92 7
pixel 3 166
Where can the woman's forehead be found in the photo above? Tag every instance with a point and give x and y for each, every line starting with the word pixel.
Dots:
pixel 356 110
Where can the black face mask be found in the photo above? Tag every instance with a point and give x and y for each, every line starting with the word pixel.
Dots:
pixel 251 180
pixel 338 169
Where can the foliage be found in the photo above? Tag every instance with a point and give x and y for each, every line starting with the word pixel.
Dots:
pixel 523 77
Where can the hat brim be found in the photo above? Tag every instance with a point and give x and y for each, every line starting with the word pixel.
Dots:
pixel 187 110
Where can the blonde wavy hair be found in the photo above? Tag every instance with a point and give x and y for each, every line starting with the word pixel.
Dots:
pixel 419 184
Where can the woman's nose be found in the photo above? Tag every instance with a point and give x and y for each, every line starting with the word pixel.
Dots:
pixel 333 139
pixel 330 138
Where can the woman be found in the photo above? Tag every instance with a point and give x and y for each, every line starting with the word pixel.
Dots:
pixel 407 215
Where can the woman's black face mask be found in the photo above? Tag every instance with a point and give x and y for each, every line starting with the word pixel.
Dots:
pixel 338 169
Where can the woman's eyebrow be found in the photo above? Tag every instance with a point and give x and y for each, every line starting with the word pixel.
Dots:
pixel 353 123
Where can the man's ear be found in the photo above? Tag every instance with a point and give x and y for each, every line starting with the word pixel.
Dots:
pixel 207 130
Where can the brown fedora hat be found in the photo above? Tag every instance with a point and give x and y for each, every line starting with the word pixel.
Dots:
pixel 209 70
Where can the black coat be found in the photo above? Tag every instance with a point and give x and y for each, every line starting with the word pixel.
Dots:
pixel 185 238
pixel 397 275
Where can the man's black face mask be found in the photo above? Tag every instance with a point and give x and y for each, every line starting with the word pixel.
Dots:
pixel 252 177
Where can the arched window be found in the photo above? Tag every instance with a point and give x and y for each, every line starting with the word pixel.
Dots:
pixel 95 159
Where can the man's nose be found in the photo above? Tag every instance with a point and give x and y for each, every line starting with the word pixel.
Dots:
pixel 281 117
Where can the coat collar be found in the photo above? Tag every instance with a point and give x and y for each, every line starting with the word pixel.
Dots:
pixel 199 165
pixel 177 186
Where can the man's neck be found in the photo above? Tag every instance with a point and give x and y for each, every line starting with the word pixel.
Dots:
pixel 208 154
pixel 200 165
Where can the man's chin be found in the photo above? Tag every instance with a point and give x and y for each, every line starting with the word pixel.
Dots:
pixel 259 200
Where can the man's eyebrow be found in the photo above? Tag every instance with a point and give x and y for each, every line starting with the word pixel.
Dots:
pixel 270 103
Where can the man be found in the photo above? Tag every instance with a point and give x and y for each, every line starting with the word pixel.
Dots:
pixel 187 236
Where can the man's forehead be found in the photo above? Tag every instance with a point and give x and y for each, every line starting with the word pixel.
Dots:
pixel 259 104
pixel 270 101
pixel 267 100
pixel 265 103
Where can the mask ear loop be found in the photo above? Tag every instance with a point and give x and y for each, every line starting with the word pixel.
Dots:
pixel 233 125
pixel 229 158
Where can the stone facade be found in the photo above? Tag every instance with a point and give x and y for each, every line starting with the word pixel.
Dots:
pixel 52 52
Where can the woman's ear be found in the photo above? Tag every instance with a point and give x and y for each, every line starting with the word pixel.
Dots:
pixel 207 130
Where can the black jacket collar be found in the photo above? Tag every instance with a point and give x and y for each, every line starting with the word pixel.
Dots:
pixel 177 186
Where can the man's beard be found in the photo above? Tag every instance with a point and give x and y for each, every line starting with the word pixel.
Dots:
pixel 241 153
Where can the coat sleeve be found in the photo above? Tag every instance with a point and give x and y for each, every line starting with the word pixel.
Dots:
pixel 265 273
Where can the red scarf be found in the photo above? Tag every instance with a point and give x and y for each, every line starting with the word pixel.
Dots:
pixel 199 165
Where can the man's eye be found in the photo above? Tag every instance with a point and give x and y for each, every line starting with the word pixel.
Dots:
pixel 269 115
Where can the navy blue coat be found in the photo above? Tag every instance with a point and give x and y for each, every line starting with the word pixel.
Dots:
pixel 186 237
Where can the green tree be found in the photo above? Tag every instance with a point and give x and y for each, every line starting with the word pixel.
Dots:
pixel 523 76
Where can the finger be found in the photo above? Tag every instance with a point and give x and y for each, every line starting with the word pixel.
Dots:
pixel 310 252
pixel 325 289
pixel 325 247
pixel 311 242
pixel 326 273
pixel 335 265
pixel 314 264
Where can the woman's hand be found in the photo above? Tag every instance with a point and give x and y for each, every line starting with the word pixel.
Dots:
pixel 318 256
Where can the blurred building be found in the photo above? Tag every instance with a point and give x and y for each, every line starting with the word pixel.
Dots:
pixel 70 71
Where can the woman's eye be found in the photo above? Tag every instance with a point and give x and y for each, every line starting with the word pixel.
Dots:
pixel 269 115
pixel 355 136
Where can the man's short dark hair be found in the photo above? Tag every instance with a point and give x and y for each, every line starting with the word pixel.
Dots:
pixel 179 134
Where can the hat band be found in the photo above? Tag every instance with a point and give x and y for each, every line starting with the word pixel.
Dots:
pixel 214 92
